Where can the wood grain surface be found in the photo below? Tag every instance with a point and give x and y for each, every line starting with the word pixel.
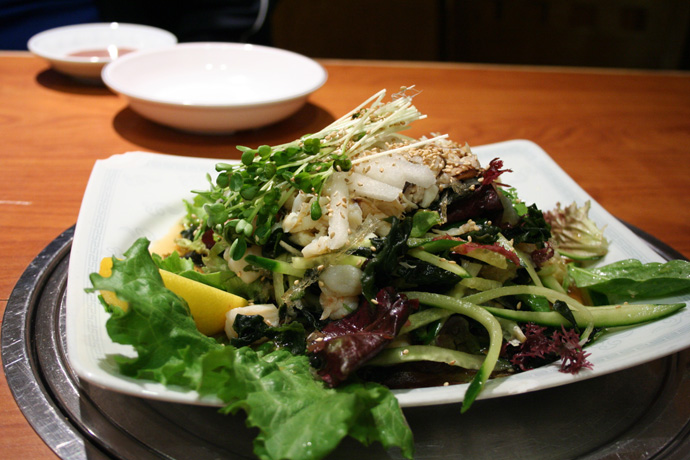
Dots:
pixel 623 136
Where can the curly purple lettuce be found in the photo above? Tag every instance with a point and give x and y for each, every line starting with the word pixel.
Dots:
pixel 346 344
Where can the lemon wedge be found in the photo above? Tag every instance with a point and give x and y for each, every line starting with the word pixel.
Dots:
pixel 208 305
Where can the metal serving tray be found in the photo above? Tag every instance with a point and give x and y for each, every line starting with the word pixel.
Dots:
pixel 638 413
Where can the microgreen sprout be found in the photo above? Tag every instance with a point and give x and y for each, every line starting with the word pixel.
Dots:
pixel 245 199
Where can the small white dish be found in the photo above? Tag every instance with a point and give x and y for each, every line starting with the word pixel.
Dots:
pixel 214 88
pixel 82 50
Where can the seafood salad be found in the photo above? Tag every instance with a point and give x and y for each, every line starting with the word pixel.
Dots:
pixel 311 278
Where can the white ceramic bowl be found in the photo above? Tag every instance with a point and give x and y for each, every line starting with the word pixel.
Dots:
pixel 214 87
pixel 83 50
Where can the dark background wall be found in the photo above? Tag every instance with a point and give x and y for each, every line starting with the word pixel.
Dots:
pixel 650 34
pixel 610 33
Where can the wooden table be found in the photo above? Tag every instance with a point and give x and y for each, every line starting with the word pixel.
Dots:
pixel 623 136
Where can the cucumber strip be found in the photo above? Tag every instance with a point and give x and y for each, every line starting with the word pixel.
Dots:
pixel 480 284
pixel 511 330
pixel 486 319
pixel 489 257
pixel 581 252
pixel 275 265
pixel 483 297
pixel 535 302
pixel 552 283
pixel 547 270
pixel 458 291
pixel 473 268
pixel 279 284
pixel 579 255
pixel 424 317
pixel 416 242
pixel 440 262
pixel 529 266
pixel 313 262
pixel 604 316
pixel 411 353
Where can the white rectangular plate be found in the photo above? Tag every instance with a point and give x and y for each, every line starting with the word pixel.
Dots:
pixel 140 194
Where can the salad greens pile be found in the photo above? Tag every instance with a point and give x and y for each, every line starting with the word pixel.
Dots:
pixel 376 261
pixel 297 416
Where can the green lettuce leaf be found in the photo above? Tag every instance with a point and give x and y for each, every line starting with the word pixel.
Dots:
pixel 630 279
pixel 296 415
pixel 173 263
pixel 157 324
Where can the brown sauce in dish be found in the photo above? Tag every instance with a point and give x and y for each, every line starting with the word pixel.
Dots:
pixel 102 53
